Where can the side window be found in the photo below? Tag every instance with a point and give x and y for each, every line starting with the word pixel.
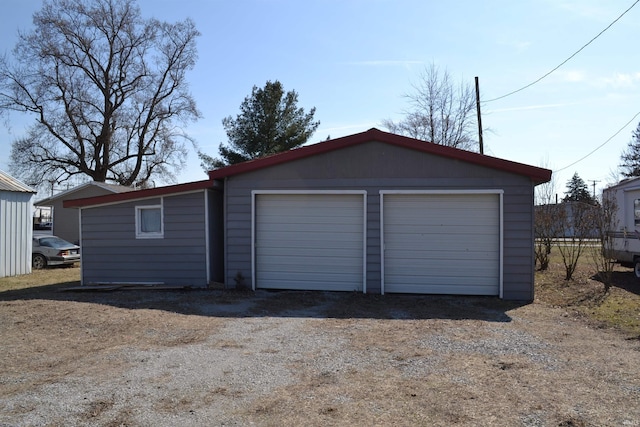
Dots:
pixel 149 222
pixel 636 212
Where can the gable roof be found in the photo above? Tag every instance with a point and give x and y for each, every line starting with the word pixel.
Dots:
pixel 9 183
pixel 536 174
pixel 627 183
pixel 140 194
pixel 110 188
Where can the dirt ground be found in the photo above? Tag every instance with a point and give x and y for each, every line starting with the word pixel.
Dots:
pixel 210 357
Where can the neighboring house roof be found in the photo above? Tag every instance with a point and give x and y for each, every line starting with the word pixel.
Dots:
pixel 113 188
pixel 537 175
pixel 9 183
pixel 628 183
pixel 140 194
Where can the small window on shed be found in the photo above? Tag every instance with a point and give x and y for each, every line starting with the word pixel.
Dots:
pixel 636 212
pixel 149 222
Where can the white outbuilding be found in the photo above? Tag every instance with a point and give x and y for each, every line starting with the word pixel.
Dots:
pixel 16 226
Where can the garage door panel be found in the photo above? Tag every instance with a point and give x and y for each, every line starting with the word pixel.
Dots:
pixel 308 245
pixel 445 289
pixel 302 220
pixel 427 266
pixel 300 275
pixel 451 281
pixel 441 229
pixel 310 228
pixel 478 275
pixel 453 247
pixel 309 241
pixel 310 285
pixel 305 262
pixel 442 243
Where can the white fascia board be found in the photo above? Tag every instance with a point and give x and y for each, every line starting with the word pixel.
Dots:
pixel 302 192
pixel 207 239
pixel 139 199
pixel 501 243
pixel 81 246
pixel 470 191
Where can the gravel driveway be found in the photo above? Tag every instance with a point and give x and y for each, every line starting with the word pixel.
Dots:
pixel 208 358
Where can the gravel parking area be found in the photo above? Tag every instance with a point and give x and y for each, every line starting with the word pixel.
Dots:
pixel 213 358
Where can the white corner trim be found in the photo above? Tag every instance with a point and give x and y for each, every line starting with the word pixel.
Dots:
pixel 469 191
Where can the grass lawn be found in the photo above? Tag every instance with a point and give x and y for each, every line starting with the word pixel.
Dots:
pixel 585 295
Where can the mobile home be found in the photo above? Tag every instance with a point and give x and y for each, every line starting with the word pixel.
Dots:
pixel 626 224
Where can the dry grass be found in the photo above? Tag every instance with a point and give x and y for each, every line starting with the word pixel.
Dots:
pixel 585 295
pixel 60 277
pixel 427 360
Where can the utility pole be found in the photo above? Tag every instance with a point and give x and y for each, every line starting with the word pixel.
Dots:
pixel 593 182
pixel 479 116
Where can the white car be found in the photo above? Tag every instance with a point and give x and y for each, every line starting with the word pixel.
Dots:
pixel 52 250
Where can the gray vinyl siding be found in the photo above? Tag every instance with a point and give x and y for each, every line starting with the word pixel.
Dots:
pixel 373 167
pixel 111 252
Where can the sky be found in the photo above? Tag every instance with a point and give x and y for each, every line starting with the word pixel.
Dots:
pixel 355 60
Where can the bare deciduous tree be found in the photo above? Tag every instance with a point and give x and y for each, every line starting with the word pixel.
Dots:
pixel 545 222
pixel 605 221
pixel 107 89
pixel 576 226
pixel 440 111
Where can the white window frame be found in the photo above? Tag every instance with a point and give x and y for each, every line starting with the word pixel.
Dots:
pixel 149 235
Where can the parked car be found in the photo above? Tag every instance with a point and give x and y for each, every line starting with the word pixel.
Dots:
pixel 52 250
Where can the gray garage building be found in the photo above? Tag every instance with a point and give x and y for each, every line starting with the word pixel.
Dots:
pixel 372 212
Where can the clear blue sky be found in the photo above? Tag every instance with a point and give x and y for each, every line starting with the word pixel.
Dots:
pixel 354 59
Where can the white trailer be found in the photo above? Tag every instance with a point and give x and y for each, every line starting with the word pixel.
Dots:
pixel 626 224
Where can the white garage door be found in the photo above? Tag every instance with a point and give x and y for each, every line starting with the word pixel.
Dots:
pixel 309 241
pixel 442 243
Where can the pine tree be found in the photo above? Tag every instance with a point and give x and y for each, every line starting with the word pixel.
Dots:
pixel 269 122
pixel 630 166
pixel 577 191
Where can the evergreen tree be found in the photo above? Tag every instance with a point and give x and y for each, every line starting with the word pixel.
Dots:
pixel 577 191
pixel 630 166
pixel 269 122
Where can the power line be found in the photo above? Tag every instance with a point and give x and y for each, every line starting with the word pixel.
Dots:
pixel 601 145
pixel 569 58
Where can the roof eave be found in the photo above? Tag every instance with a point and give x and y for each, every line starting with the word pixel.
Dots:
pixel 536 174
pixel 139 194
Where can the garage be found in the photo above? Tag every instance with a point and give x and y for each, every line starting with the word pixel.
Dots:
pixel 309 240
pixel 442 242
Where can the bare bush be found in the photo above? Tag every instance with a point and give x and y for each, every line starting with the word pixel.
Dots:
pixel 576 226
pixel 545 224
pixel 605 220
pixel 545 229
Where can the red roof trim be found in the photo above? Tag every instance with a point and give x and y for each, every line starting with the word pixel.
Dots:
pixel 538 175
pixel 138 194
